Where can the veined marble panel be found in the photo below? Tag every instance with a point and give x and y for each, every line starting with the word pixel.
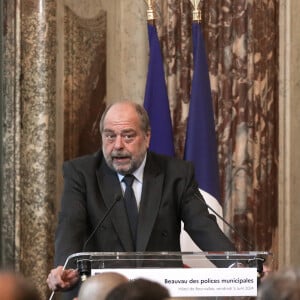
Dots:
pixel 84 82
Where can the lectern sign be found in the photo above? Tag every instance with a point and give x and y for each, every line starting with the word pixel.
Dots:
pixel 195 282
pixel 184 274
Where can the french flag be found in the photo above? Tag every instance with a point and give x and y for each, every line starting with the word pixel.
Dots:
pixel 156 100
pixel 201 143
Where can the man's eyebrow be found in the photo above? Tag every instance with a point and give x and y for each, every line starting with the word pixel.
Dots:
pixel 107 130
pixel 128 130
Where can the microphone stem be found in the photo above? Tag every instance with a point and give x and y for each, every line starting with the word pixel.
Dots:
pixel 222 219
pixel 117 198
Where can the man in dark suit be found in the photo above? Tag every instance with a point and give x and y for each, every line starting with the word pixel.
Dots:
pixel 165 190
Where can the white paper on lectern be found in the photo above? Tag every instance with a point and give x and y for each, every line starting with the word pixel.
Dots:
pixel 192 282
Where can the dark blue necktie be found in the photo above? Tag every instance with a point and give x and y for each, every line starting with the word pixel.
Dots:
pixel 131 205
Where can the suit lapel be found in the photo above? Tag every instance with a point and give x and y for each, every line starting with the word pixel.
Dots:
pixel 150 201
pixel 110 188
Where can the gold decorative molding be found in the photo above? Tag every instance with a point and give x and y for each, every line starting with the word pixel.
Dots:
pixel 150 11
pixel 196 11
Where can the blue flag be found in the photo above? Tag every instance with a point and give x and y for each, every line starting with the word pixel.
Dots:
pixel 156 100
pixel 201 145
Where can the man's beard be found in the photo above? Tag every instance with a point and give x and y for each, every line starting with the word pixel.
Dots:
pixel 128 167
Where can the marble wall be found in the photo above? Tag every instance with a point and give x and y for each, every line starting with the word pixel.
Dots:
pixel 37 78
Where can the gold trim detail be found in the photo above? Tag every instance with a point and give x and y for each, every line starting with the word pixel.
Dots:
pixel 196 11
pixel 150 11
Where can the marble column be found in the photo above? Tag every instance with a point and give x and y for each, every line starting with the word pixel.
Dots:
pixel 29 137
pixel 11 135
pixel 37 147
pixel 127 44
pixel 289 128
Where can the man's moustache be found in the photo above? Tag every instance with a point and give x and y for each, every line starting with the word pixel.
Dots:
pixel 120 155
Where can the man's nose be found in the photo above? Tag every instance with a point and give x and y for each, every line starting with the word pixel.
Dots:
pixel 119 142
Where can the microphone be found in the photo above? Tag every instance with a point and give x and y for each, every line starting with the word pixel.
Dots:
pixel 84 265
pixel 259 260
pixel 224 221
pixel 116 199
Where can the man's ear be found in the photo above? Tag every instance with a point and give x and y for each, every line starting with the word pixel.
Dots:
pixel 148 136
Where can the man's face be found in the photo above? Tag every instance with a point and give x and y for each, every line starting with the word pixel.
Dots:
pixel 124 144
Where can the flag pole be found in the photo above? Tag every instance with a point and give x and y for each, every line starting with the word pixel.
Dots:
pixel 197 18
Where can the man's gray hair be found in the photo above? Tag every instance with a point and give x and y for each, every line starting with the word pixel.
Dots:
pixel 142 113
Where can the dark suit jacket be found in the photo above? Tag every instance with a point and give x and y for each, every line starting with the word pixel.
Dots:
pixel 168 196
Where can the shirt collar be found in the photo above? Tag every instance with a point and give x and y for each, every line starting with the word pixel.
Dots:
pixel 138 173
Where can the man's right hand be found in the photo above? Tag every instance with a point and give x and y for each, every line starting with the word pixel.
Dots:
pixel 60 279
